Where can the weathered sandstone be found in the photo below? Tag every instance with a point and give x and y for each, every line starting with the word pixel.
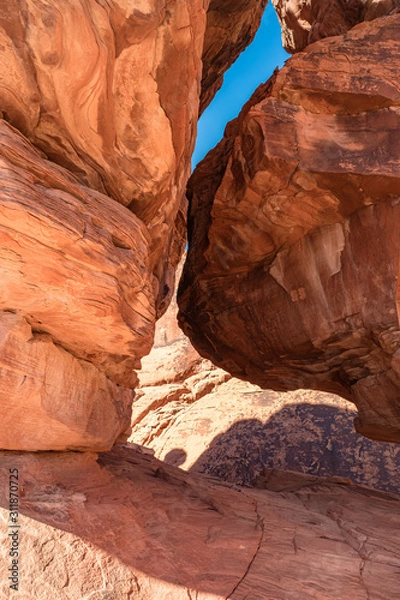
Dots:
pixel 73 262
pixel 110 90
pixel 306 21
pixel 98 114
pixel 51 400
pixel 292 273
pixel 191 414
pixel 127 526
pixel 231 26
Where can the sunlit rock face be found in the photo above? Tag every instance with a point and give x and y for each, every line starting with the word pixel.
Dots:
pixel 231 26
pixel 109 90
pixel 292 273
pixel 77 305
pixel 98 105
pixel 73 262
pixel 306 21
pixel 126 526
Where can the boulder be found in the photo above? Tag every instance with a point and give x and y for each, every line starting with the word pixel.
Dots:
pixel 291 279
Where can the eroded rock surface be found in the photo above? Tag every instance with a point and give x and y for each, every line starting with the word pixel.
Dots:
pixel 231 26
pixel 127 526
pixel 51 399
pixel 110 91
pixel 73 262
pixel 306 21
pixel 172 377
pixel 98 105
pixel 191 414
pixel 292 273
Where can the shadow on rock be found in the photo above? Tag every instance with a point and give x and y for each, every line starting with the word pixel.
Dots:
pixel 313 439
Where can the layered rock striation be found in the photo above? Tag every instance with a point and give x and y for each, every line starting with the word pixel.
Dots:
pixel 98 105
pixel 291 279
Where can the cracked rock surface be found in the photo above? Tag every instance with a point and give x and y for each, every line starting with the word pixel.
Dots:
pixel 126 526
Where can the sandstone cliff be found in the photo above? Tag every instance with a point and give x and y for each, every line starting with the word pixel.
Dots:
pixel 291 279
pixel 98 105
pixel 306 21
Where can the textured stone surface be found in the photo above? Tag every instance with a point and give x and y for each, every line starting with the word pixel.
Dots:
pixel 306 21
pixel 110 91
pixel 73 262
pixel 235 431
pixel 50 400
pixel 193 415
pixel 172 377
pixel 128 526
pixel 231 26
pixel 98 114
pixel 291 278
pixel 324 538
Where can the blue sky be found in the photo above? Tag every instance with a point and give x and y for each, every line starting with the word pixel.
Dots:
pixel 254 66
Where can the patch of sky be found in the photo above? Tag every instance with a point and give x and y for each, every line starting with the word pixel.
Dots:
pixel 254 66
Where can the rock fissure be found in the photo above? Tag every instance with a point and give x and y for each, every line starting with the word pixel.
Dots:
pixel 259 525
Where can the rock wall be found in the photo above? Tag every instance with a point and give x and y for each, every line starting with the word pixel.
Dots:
pixel 304 22
pixel 98 114
pixel 291 279
pixel 191 414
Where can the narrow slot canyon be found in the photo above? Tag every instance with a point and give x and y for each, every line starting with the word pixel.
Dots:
pixel 199 300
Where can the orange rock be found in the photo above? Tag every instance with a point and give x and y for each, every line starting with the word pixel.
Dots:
pixel 110 91
pixel 130 527
pixel 51 400
pixel 191 414
pixel 73 262
pixel 305 22
pixel 98 113
pixel 291 277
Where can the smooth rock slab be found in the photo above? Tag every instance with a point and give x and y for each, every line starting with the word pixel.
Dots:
pixel 129 527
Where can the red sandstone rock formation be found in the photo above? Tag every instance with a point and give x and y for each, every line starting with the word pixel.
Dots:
pixel 98 105
pixel 231 26
pixel 127 526
pixel 110 91
pixel 99 102
pixel 292 273
pixel 191 414
pixel 306 21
